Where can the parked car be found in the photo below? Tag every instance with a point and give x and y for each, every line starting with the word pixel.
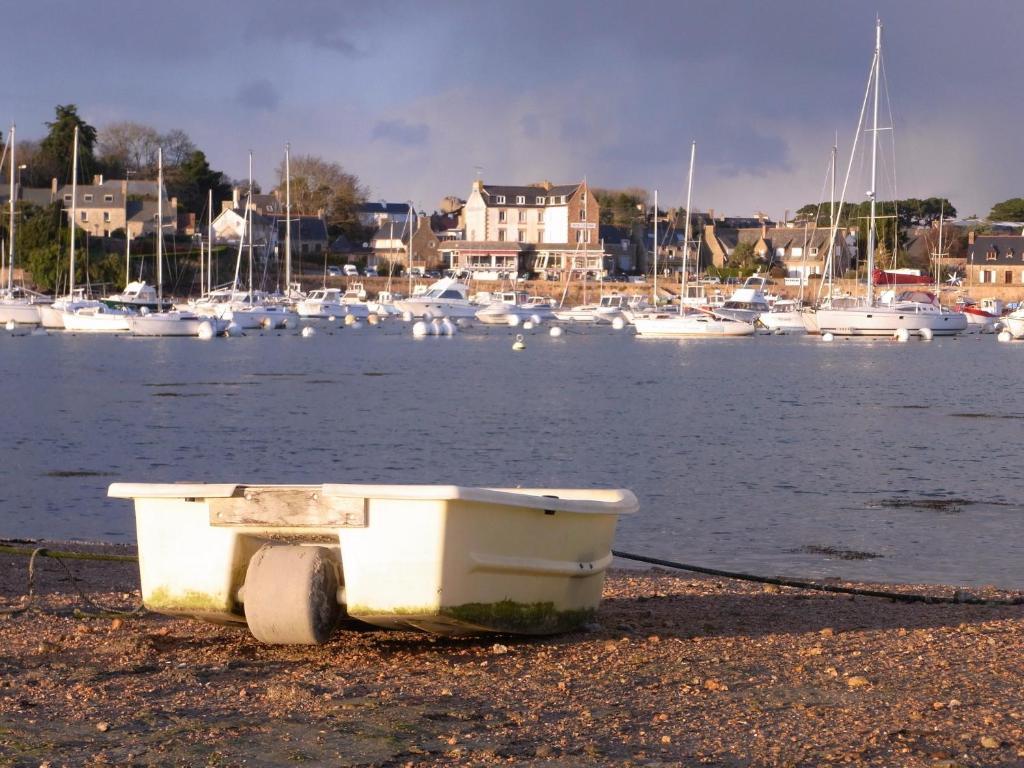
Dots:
pixel 334 271
pixel 432 273
pixel 416 271
pixel 350 270
pixel 370 272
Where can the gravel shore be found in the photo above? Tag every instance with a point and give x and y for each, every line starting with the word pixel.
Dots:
pixel 677 671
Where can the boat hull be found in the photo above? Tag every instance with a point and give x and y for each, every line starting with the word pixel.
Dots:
pixel 442 559
pixel 886 321
pixel 687 326
pixel 93 321
pixel 174 324
pixel 19 313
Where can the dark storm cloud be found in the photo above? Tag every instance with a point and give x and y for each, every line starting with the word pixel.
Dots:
pixel 258 95
pixel 401 132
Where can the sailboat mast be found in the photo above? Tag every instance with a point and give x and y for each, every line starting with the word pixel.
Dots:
pixel 10 228
pixel 408 250
pixel 938 256
pixel 686 229
pixel 287 219
pixel 159 226
pixel 248 218
pixel 209 241
pixel 874 164
pixel 654 289
pixel 832 220
pixel 74 200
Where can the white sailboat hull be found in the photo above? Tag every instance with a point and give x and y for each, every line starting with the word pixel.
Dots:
pixel 96 320
pixel 886 321
pixel 173 324
pixel 689 326
pixel 22 313
pixel 784 322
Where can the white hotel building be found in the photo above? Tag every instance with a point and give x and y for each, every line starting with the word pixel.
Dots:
pixel 542 228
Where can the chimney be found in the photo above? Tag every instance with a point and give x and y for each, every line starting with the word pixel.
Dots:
pixel 97 180
pixel 235 197
pixel 478 185
pixel 970 237
pixel 53 189
pixel 764 228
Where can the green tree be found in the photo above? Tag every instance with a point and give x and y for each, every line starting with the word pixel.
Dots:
pixel 743 259
pixel 1008 210
pixel 191 181
pixel 621 207
pixel 55 150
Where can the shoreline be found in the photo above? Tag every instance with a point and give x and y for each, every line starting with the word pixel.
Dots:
pixel 677 669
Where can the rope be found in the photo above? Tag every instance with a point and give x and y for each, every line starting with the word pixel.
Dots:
pixel 28 599
pixel 956 599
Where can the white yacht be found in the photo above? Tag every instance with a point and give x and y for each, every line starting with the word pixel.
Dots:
pixel 322 303
pixel 97 319
pixel 507 304
pixel 785 316
pixel 138 295
pixel 22 306
pixel 447 297
pixel 747 302
pixel 384 304
pixel 607 309
pixel 173 323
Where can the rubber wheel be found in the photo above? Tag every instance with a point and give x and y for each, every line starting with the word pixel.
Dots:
pixel 291 595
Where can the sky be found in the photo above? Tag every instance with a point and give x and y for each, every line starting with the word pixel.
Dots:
pixel 418 99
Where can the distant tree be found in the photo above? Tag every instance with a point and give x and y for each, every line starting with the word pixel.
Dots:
pixel 621 207
pixel 55 150
pixel 743 258
pixel 191 181
pixel 1008 210
pixel 322 185
pixel 127 146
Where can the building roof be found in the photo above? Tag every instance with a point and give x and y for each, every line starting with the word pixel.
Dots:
pixel 508 195
pixel 996 249
pixel 390 209
pixel 304 227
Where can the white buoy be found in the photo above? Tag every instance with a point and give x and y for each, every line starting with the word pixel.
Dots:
pixel 407 316
pixel 356 325
pixel 350 320
pixel 519 345
pixel 536 319
pixel 827 336
pixel 373 320
pixel 463 322
pixel 902 334
pixel 267 323
pixel 144 311
pixel 435 327
pixel 926 334
pixel 528 325
pixel 332 319
pixel 287 323
pixel 995 327
pixel 10 325
pixel 618 323
pixel 205 330
pixel 555 332
pixel 448 328
pixel 1005 336
pixel 513 320
pixel 420 329
pixel 308 332
pixel 233 329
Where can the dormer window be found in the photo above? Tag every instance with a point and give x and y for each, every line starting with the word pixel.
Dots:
pixel 88 198
pixel 990 255
pixel 500 199
pixel 521 200
pixel 67 198
pixel 539 200
pixel 108 198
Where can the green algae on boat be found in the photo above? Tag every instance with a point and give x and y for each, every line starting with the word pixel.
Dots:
pixel 504 616
pixel 191 603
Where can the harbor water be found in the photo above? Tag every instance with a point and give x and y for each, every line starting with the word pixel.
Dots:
pixel 867 460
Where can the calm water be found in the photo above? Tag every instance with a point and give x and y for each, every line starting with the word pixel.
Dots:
pixel 769 454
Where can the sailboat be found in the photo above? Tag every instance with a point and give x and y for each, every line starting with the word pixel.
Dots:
pixel 916 313
pixel 17 304
pixel 687 321
pixel 174 322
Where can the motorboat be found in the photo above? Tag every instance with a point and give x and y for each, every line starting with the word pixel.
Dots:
pixel 984 315
pixel 445 298
pixel 322 303
pixel 136 296
pixel 505 305
pixel 384 304
pixel 1014 323
pixel 607 309
pixel 291 561
pixel 748 302
pixel 97 319
pixel 785 316
pixel 691 323
pixel 173 323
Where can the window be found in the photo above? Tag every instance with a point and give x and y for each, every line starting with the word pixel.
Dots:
pixel 108 198
pixel 500 199
pixel 1008 276
pixel 522 217
pixel 521 200
pixel 583 214
pixel 501 235
pixel 106 216
pixel 67 198
pixel 812 251
pixel 501 216
pixel 522 235
pixel 88 198
pixel 780 252
pixel 798 252
pixel 539 200
pixel 990 254
pixel 85 215
pixel 540 217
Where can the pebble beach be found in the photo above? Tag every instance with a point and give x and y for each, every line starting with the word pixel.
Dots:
pixel 676 670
